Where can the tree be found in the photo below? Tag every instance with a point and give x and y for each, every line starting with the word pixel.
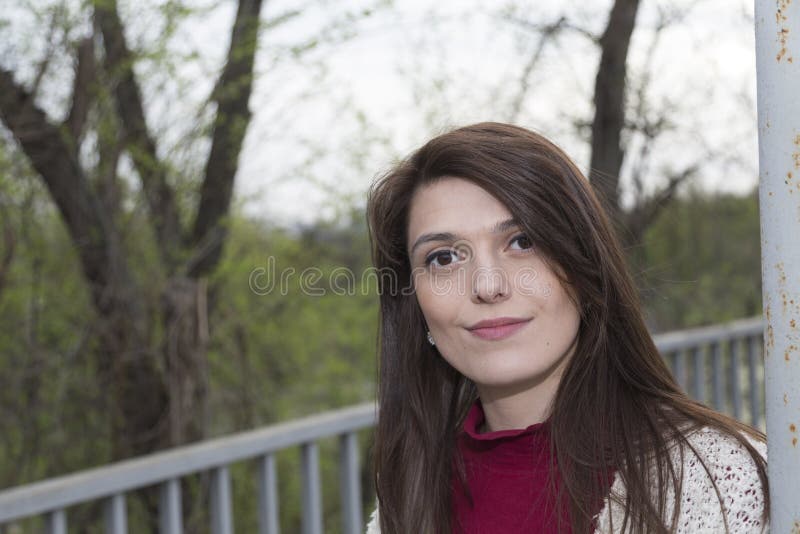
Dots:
pixel 615 121
pixel 609 103
pixel 154 359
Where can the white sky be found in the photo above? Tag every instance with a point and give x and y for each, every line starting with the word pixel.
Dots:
pixel 327 121
pixel 411 76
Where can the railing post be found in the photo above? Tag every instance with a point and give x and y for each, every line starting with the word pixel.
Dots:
pixel 777 29
pixel 267 495
pixel 57 522
pixel 735 382
pixel 351 486
pixel 752 371
pixel 116 517
pixel 221 516
pixel 312 500
pixel 699 382
pixel 679 368
pixel 718 401
pixel 170 515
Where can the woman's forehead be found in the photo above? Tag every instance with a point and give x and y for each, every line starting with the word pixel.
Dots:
pixel 454 205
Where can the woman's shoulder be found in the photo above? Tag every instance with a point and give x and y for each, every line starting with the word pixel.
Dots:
pixel 722 446
pixel 712 458
pixel 730 465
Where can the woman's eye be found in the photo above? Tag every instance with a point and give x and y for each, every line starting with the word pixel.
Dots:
pixel 442 258
pixel 524 241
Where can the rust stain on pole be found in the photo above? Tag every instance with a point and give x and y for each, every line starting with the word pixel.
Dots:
pixel 770 341
pixel 796 153
pixel 783 32
pixel 770 338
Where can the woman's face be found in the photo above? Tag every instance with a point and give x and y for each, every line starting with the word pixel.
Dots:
pixel 472 263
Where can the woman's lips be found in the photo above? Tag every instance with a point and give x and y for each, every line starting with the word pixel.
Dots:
pixel 498 332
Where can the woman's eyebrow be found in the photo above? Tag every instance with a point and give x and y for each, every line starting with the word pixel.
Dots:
pixel 498 228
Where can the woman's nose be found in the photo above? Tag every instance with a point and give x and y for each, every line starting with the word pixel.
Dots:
pixel 489 282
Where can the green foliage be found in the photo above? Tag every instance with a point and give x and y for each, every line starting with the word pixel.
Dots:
pixel 293 332
pixel 48 391
pixel 702 262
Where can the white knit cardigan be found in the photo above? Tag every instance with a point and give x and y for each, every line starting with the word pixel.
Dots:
pixel 700 513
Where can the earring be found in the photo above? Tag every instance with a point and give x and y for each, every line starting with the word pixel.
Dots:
pixel 430 338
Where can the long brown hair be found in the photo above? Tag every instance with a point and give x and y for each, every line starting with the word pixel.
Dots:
pixel 617 406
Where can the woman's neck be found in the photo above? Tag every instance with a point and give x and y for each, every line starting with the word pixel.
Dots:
pixel 511 409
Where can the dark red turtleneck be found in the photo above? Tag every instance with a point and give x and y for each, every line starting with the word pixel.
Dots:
pixel 507 474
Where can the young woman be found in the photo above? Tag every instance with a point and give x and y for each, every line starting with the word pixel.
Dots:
pixel 519 388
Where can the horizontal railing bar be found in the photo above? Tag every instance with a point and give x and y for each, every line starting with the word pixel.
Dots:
pixel 121 477
pixel 692 337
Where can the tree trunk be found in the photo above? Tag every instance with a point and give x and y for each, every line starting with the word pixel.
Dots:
pixel 609 102
pixel 184 351
pixel 138 392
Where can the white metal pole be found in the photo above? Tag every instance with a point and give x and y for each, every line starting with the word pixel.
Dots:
pixel 777 28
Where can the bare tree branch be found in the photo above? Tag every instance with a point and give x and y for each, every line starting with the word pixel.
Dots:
pixel 85 73
pixel 232 95
pixel 118 62
pixel 646 211
pixel 562 22
pixel 548 32
pixel 44 64
pixel 9 246
pixel 57 163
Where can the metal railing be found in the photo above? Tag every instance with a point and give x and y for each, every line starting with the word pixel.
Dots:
pixel 111 483
pixel 721 365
